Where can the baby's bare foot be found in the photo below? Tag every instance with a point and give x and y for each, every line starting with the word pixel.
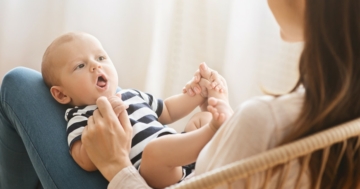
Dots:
pixel 220 110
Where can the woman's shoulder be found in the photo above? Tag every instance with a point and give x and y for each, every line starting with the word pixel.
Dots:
pixel 290 103
pixel 268 116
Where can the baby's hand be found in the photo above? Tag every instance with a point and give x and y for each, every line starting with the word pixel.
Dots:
pixel 117 104
pixel 205 79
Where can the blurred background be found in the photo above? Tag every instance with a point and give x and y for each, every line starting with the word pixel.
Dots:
pixel 157 45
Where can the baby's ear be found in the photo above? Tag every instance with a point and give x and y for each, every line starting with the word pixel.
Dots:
pixel 58 94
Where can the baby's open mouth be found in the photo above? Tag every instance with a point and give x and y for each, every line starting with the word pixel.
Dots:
pixel 101 81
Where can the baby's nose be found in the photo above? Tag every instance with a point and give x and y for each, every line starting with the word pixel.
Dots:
pixel 95 66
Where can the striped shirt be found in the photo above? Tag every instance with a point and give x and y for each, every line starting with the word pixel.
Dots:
pixel 144 111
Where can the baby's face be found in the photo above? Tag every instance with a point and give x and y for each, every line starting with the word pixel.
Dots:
pixel 85 71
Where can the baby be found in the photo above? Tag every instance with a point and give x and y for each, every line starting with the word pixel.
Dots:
pixel 78 71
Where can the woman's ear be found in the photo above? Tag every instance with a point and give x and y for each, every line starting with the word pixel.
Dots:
pixel 58 93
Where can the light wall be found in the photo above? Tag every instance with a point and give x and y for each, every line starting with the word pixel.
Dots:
pixel 157 45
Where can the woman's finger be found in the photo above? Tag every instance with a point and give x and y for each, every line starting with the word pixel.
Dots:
pixel 108 142
pixel 119 95
pixel 125 122
pixel 104 107
pixel 96 115
pixel 120 108
pixel 97 119
pixel 91 120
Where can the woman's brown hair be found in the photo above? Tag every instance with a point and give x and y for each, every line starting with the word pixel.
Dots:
pixel 330 73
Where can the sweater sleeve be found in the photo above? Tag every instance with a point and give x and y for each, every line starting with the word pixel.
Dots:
pixel 128 178
pixel 248 132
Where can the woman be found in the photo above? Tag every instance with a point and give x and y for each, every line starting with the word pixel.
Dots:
pixel 329 72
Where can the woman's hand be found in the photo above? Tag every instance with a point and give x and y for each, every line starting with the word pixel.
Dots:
pixel 107 139
pixel 117 104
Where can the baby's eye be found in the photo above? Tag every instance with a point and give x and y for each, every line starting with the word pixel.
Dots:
pixel 101 58
pixel 80 66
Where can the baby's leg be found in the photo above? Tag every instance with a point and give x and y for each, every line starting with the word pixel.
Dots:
pixel 220 111
pixel 156 167
pixel 197 121
pixel 163 157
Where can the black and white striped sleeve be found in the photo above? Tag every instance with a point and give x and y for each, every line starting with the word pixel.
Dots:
pixel 77 119
pixel 155 104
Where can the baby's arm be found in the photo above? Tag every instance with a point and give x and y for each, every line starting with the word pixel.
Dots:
pixel 80 156
pixel 206 83
pixel 178 106
pixel 77 150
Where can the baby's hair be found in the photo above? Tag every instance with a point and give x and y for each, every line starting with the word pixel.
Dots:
pixel 47 67
pixel 47 70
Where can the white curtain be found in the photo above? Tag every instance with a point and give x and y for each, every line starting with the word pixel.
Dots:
pixel 156 45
